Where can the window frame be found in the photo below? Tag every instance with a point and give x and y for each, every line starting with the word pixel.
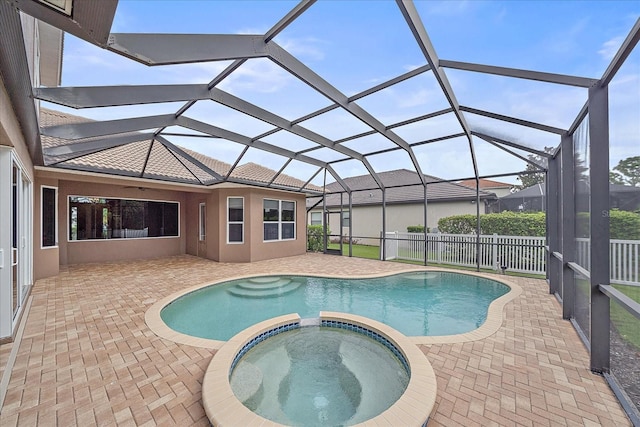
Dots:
pixel 311 220
pixel 280 222
pixel 55 217
pixel 69 212
pixel 345 217
pixel 229 242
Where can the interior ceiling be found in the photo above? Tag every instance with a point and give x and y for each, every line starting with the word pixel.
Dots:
pixel 319 145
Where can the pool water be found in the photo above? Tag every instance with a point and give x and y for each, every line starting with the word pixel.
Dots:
pixel 319 376
pixel 416 304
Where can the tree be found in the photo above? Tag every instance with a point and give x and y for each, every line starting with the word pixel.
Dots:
pixel 529 179
pixel 627 172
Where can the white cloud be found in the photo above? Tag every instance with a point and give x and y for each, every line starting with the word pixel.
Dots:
pixel 257 75
pixel 449 8
pixel 309 48
pixel 610 48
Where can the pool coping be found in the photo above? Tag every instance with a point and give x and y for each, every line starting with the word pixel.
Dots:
pixel 490 326
pixel 413 408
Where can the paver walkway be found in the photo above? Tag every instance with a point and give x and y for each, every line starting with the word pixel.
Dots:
pixel 88 358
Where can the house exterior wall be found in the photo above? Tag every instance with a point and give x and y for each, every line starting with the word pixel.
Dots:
pixel 367 220
pixel 254 248
pixel 262 250
pixel 83 251
pixel 46 261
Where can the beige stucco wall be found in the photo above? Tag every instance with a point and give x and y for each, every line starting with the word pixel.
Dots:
pixel 275 249
pixel 46 261
pixel 367 220
pixel 254 247
pixel 83 251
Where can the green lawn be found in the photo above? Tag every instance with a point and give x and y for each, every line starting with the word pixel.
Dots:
pixel 359 251
pixel 626 324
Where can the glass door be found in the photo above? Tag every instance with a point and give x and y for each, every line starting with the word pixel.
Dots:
pixel 20 238
pixel 15 238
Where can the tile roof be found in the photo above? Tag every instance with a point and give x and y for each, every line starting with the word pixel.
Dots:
pixel 411 191
pixel 485 183
pixel 154 160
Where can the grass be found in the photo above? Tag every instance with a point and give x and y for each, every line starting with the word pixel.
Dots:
pixel 626 324
pixel 359 251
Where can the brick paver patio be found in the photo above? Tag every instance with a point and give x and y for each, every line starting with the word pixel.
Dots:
pixel 88 358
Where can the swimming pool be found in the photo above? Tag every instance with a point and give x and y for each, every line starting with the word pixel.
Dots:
pixel 425 303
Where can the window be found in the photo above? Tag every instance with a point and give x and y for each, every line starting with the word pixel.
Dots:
pixel 101 218
pixel 316 218
pixel 279 219
pixel 49 202
pixel 346 220
pixel 202 221
pixel 235 220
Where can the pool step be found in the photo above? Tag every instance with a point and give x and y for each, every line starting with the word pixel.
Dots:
pixel 264 292
pixel 251 284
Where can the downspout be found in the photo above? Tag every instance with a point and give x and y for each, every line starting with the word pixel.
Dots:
pixel 477 223
pixel 426 243
pixel 384 224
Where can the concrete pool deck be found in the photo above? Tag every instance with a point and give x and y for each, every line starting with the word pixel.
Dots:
pixel 87 356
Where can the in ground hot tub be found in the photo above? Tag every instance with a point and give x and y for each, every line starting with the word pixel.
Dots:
pixel 340 369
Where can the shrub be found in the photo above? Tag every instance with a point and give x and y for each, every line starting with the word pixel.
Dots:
pixel 504 223
pixel 315 236
pixel 623 224
pixel 415 229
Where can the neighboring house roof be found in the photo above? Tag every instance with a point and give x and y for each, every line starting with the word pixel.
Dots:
pixel 485 183
pixel 152 159
pixel 536 190
pixel 403 186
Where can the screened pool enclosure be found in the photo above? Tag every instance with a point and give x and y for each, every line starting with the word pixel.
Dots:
pixel 271 98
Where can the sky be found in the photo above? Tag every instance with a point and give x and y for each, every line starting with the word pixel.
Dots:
pixel 355 45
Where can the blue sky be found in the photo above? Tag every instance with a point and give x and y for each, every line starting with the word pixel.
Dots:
pixel 357 44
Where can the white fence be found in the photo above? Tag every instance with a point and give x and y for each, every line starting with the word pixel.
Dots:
pixel 516 253
pixel 624 259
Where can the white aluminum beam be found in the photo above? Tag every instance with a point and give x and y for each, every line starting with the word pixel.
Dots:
pixel 83 148
pixel 108 127
pixel 109 96
pixel 514 120
pixel 165 49
pixel 521 74
pixel 484 135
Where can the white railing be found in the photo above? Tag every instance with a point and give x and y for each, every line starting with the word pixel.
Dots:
pixel 624 259
pixel 517 253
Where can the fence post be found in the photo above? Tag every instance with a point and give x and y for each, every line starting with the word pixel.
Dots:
pixel 439 237
pixel 494 250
